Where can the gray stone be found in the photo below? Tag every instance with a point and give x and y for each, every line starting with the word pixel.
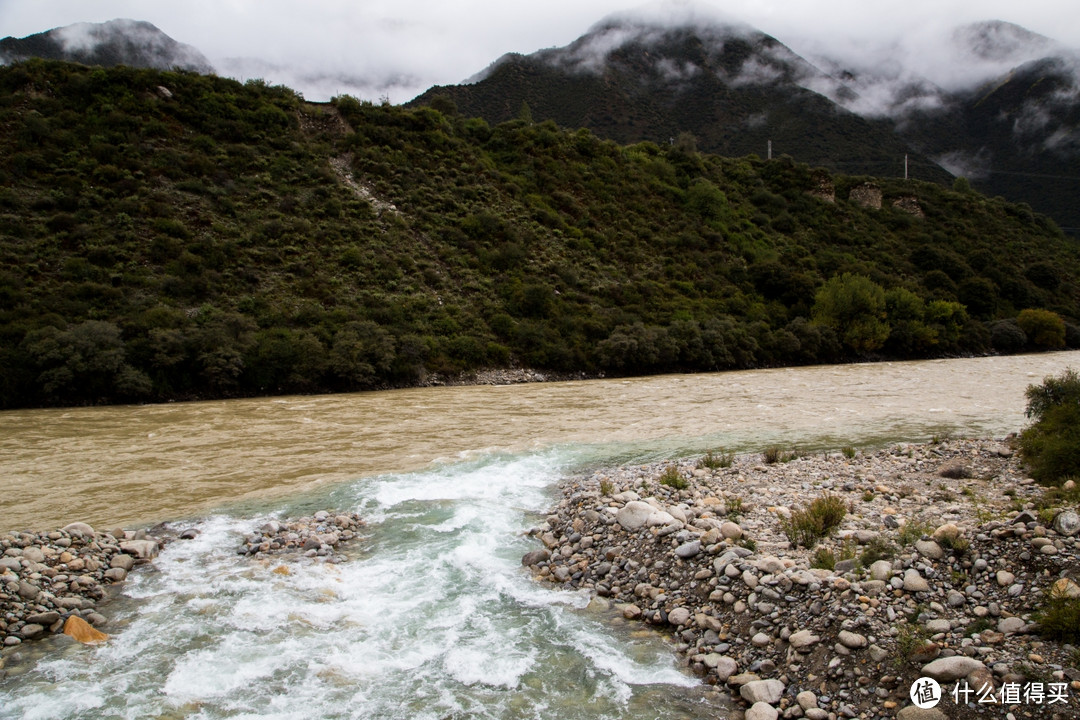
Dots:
pixel 45 618
pixel 1067 523
pixel 30 631
pixel 535 557
pixel 33 554
pixel 724 666
pixel 929 549
pixel 11 563
pixel 881 570
pixel 806 700
pixel 914 582
pixel 953 668
pixel 761 711
pixel 142 549
pixel 116 574
pixel 1005 578
pixel 1011 625
pixel 939 626
pixel 852 640
pixel 679 616
pixel 689 550
pixel 28 591
pixel 122 561
pixel 79 528
pixel 766 691
pixel 955 598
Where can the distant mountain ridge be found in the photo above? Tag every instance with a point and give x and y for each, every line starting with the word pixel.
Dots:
pixel 117 42
pixel 734 88
pixel 1004 113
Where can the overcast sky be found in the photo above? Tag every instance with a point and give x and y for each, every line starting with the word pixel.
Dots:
pixel 398 48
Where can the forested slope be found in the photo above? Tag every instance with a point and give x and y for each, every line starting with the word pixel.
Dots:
pixel 173 235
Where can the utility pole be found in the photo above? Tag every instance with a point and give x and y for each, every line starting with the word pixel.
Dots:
pixel 770 150
pixel 905 166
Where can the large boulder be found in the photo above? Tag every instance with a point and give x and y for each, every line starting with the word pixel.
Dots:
pixel 634 514
pixel 141 549
pixel 952 668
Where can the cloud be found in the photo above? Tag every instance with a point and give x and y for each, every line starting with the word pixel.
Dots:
pixel 400 48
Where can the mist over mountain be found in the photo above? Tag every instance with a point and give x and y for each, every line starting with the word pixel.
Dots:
pixel 732 87
pixel 991 101
pixel 117 42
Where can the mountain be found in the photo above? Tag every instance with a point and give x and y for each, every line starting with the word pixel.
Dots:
pixel 117 42
pixel 732 87
pixel 170 235
pixel 990 101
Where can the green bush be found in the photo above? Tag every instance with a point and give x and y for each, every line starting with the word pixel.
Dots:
pixel 1059 617
pixel 714 461
pixel 808 525
pixel 1045 329
pixel 671 477
pixel 1051 446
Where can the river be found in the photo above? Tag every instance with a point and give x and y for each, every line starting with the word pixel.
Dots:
pixel 432 615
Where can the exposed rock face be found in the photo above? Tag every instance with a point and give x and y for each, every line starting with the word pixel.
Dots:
pixel 824 189
pixel 866 195
pixel 910 205
pixel 83 631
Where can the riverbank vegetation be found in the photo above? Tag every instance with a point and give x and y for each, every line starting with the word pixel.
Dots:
pixel 1051 445
pixel 174 235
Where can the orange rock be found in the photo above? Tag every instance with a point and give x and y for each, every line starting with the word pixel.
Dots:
pixel 281 570
pixel 83 631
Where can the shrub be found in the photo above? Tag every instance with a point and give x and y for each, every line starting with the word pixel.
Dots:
pixel 1043 328
pixel 607 487
pixel 848 451
pixel 824 558
pixel 771 454
pixel 720 459
pixel 671 477
pixel 1051 446
pixel 808 525
pixel 1059 617
pixel 877 549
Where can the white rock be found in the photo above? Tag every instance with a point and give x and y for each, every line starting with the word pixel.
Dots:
pixel 929 549
pixel 766 691
pixel 761 711
pixel 881 570
pixel 852 640
pixel 803 639
pixel 1067 523
pixel 951 668
pixel 632 515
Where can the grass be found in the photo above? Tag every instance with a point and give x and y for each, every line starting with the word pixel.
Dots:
pixel 914 530
pixel 607 487
pixel 848 451
pixel 672 478
pixel 1059 617
pixel 774 454
pixel 717 460
pixel 877 549
pixel 734 506
pixel 910 637
pixel 807 526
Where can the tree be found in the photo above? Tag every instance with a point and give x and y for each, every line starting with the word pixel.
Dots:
pixel 854 306
pixel 1044 328
pixel 1051 446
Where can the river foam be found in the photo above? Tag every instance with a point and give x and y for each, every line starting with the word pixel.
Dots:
pixel 431 616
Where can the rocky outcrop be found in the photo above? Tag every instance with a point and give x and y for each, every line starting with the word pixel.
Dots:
pixel 867 195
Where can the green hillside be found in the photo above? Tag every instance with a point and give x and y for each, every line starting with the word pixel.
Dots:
pixel 173 235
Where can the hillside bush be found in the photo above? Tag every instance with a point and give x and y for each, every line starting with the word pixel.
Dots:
pixel 1051 445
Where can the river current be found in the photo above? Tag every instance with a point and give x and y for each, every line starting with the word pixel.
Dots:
pixel 431 616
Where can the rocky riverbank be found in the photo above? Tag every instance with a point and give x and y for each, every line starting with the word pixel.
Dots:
pixel 49 578
pixel 942 559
